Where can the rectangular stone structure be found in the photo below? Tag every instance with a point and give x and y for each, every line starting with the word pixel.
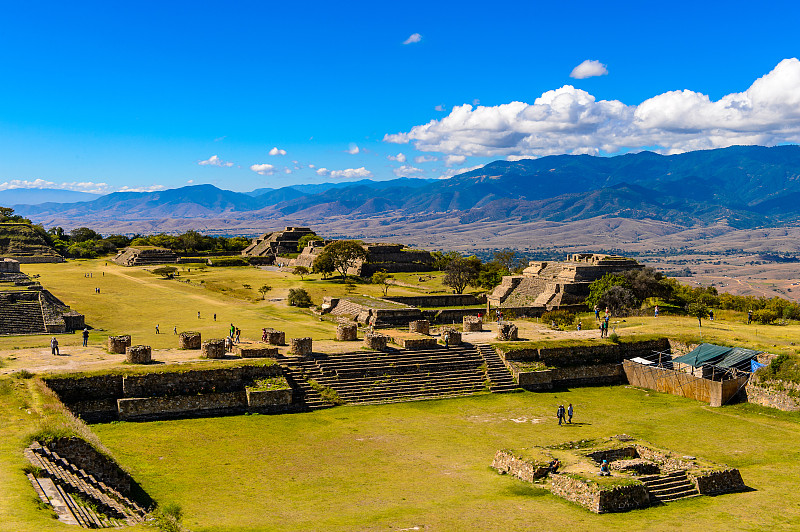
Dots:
pixel 256 351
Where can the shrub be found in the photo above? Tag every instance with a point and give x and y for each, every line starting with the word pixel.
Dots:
pixel 298 297
pixel 562 318
pixel 229 261
pixel 765 316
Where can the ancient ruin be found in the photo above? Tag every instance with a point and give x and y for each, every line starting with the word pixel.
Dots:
pixel 549 285
pixel 347 332
pixel 24 243
pixel 145 256
pixel 301 347
pixel 138 354
pixel 36 311
pixel 118 344
pixel 472 324
pixel 214 348
pixel 190 340
pixel 9 265
pixel 270 245
pixel 393 258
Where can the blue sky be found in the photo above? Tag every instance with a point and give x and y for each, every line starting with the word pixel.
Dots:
pixel 104 96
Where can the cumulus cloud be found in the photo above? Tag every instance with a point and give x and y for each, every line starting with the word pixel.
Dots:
pixel 589 69
pixel 277 151
pixel 322 171
pixel 79 186
pixel 350 173
pixel 453 160
pixel 406 170
pixel 570 120
pixel 215 161
pixel 263 169
pixel 414 37
pixel 400 158
pixel 425 159
pixel 353 149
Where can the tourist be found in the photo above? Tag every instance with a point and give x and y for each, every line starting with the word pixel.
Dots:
pixel 228 344
pixel 264 335
pixel 604 472
pixel 596 313
pixel 569 413
pixel 711 314
pixel 175 330
pixel 749 316
pixel 232 331
pixel 85 336
pixel 156 328
pixel 655 311
pixel 607 313
pixel 446 339
pixel 54 346
pixel 238 335
pixel 215 317
pixel 580 325
pixel 555 463
pixel 198 314
pixel 560 414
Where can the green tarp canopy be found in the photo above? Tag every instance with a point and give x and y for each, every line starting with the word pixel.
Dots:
pixel 717 355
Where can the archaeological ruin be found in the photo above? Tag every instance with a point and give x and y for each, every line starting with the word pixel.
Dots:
pixel 393 258
pixel 27 308
pixel 549 285
pixel 145 256
pixel 270 245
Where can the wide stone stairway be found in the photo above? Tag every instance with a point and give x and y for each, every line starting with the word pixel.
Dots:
pixel 21 316
pixel 399 375
pixel 77 497
pixel 669 487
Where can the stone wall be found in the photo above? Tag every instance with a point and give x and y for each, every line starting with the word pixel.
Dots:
pixel 420 327
pixel 138 354
pixel 347 332
pixel 118 344
pixel 147 408
pixel 214 348
pixel 591 496
pixel 781 395
pixel 267 400
pixel 717 482
pixel 190 340
pixel 505 462
pixel 256 351
pixel 416 343
pixel 600 374
pixel 301 346
pixel 376 341
pixel 82 455
pixel 587 355
pixel 444 300
pixel 471 323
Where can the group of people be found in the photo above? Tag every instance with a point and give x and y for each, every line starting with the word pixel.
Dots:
pixel 564 415
pixel 234 336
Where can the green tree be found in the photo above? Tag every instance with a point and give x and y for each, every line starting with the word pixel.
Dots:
pixel 344 254
pixel 490 274
pixel 698 310
pixel 461 272
pixel 263 290
pixel 302 271
pixel 83 234
pixel 599 287
pixel 305 239
pixel 509 259
pixel 323 265
pixel 298 297
pixel 382 278
pixel 167 272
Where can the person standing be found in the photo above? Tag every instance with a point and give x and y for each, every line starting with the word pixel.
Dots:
pixel 596 313
pixel 749 316
pixel 560 414
pixel 232 331
pixel 85 336
pixel 215 317
pixel 569 413
pixel 54 346
pixel 656 311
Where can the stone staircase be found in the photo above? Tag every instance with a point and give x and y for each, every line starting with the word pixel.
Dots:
pixel 670 487
pixel 399 375
pixel 77 496
pixel 21 317
pixel 297 374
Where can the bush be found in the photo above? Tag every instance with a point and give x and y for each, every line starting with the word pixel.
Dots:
pixel 766 316
pixel 562 318
pixel 298 297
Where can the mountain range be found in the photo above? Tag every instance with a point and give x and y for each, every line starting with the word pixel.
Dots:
pixel 740 188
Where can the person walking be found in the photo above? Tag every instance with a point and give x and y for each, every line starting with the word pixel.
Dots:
pixel 656 311
pixel 85 336
pixel 175 330
pixel 232 332
pixel 157 328
pixel 215 317
pixel 596 313
pixel 560 414
pixel 749 316
pixel 54 346
pixel 238 335
pixel 569 413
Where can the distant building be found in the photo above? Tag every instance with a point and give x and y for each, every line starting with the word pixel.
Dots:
pixel 145 256
pixel 394 258
pixel 270 245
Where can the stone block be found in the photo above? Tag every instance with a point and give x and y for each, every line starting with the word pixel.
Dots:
pixel 419 327
pixel 213 348
pixel 301 346
pixel 273 337
pixel 138 354
pixel 347 332
pixel 451 337
pixel 256 351
pixel 189 340
pixel 472 324
pixel 507 332
pixel 376 341
pixel 118 344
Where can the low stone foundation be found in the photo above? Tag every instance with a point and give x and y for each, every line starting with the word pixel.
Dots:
pixel 779 394
pixel 717 482
pixel 506 463
pixel 507 332
pixel 601 374
pixel 144 408
pixel 189 340
pixel 636 465
pixel 265 399
pixel 118 344
pixel 273 337
pixel 451 337
pixel 347 332
pixel 301 347
pixel 213 348
pixel 376 341
pixel 420 327
pixel 591 496
pixel 256 351
pixel 417 343
pixel 472 324
pixel 138 354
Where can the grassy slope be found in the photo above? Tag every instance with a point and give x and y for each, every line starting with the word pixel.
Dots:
pixel 427 464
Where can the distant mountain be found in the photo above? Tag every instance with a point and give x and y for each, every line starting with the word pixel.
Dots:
pixel 738 187
pixel 33 196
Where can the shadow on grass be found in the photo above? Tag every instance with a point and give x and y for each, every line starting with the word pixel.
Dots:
pixel 524 490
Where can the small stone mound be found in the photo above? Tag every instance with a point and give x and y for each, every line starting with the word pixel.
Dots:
pixel 213 348
pixel 472 324
pixel 301 346
pixel 273 337
pixel 376 341
pixel 507 331
pixel 419 327
pixel 190 340
pixel 451 337
pixel 347 332
pixel 138 354
pixel 118 344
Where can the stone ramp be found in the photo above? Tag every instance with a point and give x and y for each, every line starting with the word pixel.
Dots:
pixel 400 375
pixel 76 496
pixel 670 487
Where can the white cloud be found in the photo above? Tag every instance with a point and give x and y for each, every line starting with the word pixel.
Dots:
pixel 414 37
pixel 190 181
pixel 263 169
pixel 151 188
pixel 570 120
pixel 425 159
pixel 277 151
pixel 353 149
pixel 287 170
pixel 406 170
pixel 589 69
pixel 455 171
pixel 440 108
pixel 322 171
pixel 350 173
pixel 400 158
pixel 453 160
pixel 79 186
pixel 312 166
pixel 215 161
